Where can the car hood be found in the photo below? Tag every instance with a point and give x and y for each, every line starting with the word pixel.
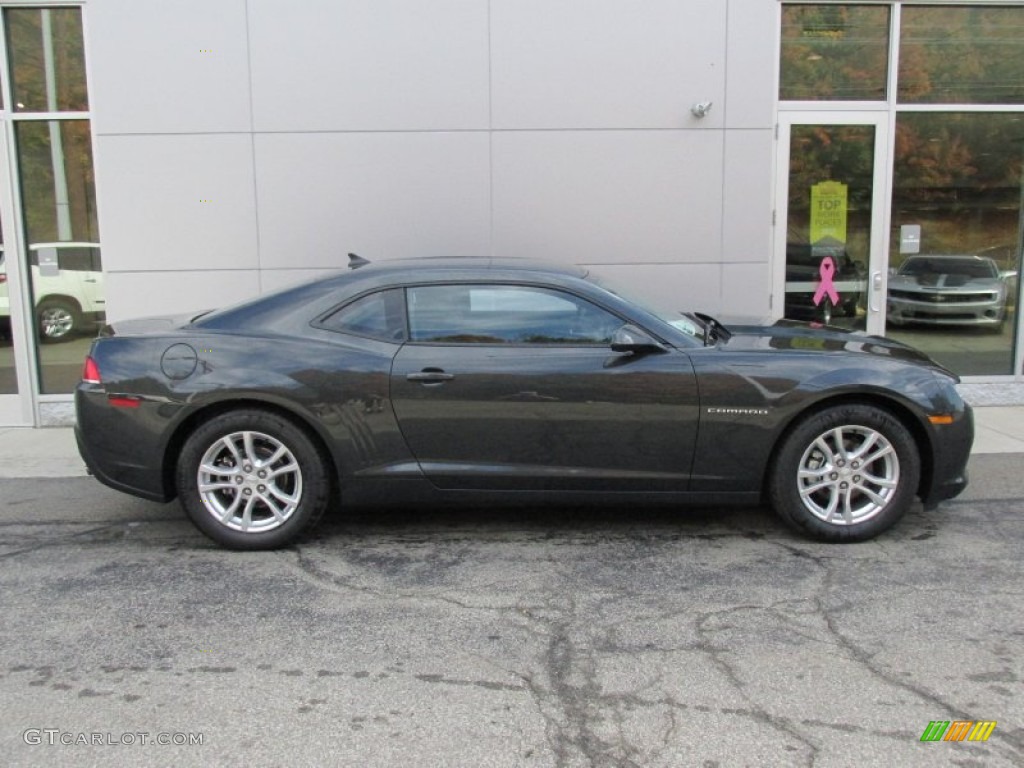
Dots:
pixel 794 335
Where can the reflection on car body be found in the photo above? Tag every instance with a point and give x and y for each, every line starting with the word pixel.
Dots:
pixel 948 290
pixel 489 379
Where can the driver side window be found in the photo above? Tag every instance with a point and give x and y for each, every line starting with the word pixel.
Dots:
pixel 505 314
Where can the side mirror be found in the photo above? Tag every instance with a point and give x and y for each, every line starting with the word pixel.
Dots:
pixel 629 338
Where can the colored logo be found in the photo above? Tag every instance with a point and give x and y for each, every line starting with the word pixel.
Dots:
pixel 958 730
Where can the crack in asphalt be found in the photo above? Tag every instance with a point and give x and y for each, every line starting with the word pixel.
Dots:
pixel 863 658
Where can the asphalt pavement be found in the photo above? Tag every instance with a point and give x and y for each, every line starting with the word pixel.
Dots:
pixel 506 637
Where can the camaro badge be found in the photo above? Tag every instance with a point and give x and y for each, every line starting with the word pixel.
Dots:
pixel 739 411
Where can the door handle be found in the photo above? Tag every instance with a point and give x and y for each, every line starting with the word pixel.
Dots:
pixel 430 376
pixel 876 288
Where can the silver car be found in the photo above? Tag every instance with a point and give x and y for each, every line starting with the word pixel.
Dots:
pixel 948 290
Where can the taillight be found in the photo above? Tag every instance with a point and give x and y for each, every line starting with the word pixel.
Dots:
pixel 91 371
pixel 3 277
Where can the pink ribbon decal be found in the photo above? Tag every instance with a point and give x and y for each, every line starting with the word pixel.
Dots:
pixel 826 286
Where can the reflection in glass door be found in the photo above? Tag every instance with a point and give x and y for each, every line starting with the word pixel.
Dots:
pixel 52 147
pixel 955 248
pixel 832 222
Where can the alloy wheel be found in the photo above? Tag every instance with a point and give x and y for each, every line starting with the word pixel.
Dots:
pixel 250 482
pixel 848 475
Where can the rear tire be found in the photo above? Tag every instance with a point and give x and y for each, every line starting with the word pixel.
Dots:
pixel 252 480
pixel 846 473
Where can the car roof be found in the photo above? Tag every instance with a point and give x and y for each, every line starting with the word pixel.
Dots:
pixel 383 274
pixel 469 263
pixel 429 269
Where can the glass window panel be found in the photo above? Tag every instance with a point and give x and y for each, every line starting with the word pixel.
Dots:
pixel 379 315
pixel 64 263
pixel 8 377
pixel 955 251
pixel 834 52
pixel 47 59
pixel 961 55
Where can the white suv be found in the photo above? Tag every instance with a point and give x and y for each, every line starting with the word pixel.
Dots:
pixel 67 282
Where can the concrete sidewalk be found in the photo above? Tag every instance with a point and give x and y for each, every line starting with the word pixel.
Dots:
pixel 51 451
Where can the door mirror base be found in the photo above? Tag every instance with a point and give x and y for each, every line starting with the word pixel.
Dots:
pixel 631 339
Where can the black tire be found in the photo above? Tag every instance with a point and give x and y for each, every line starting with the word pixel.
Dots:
pixel 811 476
pixel 236 506
pixel 57 320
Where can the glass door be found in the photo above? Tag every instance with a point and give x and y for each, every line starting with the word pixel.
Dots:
pixel 830 224
pixel 15 385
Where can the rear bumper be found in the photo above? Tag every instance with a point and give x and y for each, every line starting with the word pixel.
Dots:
pixel 117 449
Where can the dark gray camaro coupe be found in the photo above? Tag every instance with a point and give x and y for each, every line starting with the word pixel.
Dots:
pixel 486 379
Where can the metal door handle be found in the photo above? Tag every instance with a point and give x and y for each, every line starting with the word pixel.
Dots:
pixel 430 376
pixel 876 288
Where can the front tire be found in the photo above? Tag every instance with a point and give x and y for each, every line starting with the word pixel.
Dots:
pixel 846 473
pixel 252 480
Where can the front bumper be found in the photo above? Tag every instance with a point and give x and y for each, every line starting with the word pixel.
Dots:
pixel 952 450
pixel 949 312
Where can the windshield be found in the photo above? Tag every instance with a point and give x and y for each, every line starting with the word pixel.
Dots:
pixel 681 321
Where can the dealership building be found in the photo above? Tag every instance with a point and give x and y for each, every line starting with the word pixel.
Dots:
pixel 852 163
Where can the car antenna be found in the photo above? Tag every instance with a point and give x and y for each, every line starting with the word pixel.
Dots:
pixel 355 262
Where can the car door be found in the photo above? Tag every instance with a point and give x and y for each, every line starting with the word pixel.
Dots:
pixel 506 386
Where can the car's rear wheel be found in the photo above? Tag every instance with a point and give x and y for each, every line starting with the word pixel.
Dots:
pixel 846 473
pixel 58 319
pixel 252 479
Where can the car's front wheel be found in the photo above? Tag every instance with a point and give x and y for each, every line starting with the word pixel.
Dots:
pixel 846 473
pixel 251 479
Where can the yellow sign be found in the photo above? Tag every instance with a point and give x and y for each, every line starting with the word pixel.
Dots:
pixel 828 212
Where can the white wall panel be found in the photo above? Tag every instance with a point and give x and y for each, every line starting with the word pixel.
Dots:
pixel 746 289
pixel 606 197
pixel 176 202
pixel 683 287
pixel 747 198
pixel 141 294
pixel 369 64
pixel 607 63
pixel 752 52
pixel 276 279
pixel 382 195
pixel 168 67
